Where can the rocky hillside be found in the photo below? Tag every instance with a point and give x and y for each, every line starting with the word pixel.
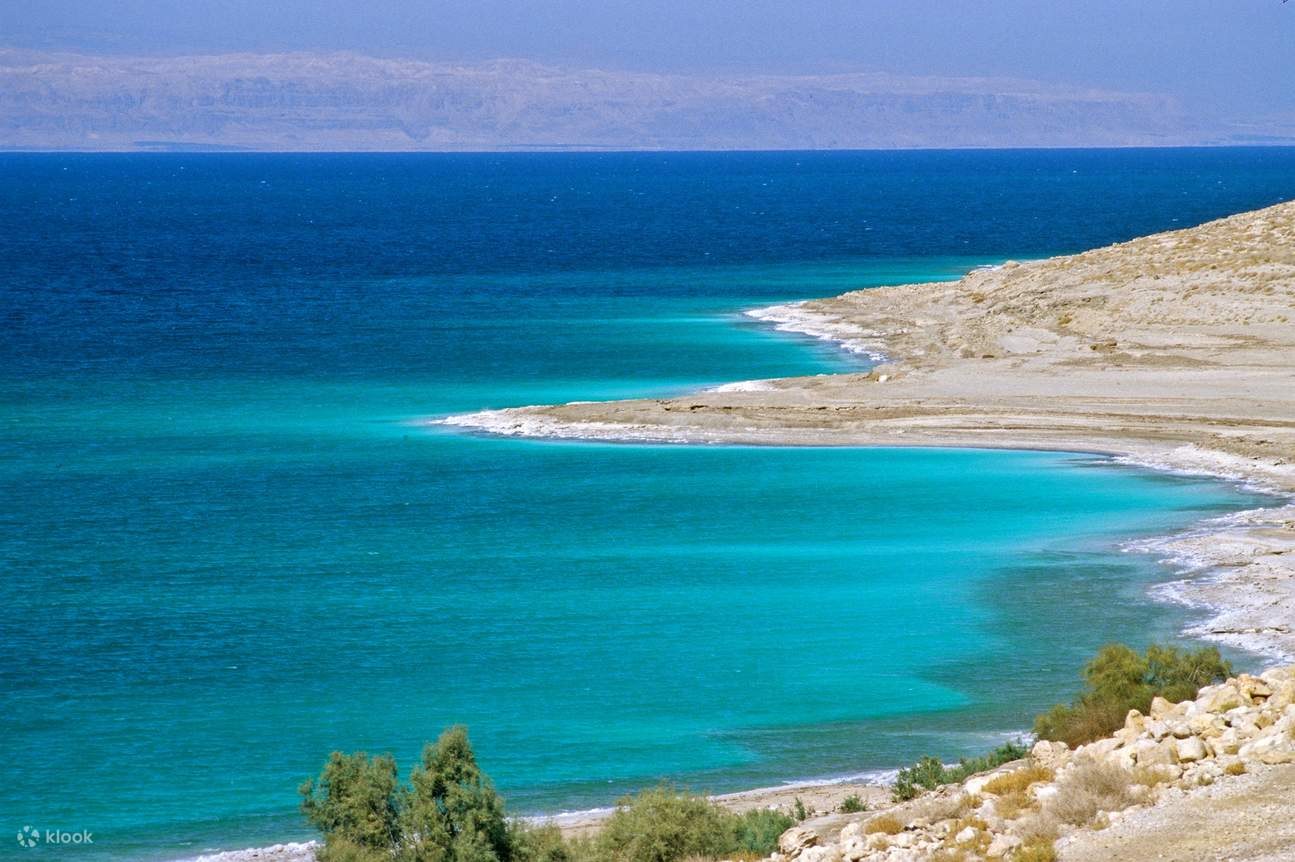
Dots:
pixel 1179 780
pixel 351 102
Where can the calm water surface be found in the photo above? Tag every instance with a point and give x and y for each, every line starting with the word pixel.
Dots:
pixel 226 548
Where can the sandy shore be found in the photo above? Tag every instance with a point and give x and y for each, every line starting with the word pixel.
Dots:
pixel 1174 351
pixel 820 799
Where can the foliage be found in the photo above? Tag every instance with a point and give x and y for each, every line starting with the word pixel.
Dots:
pixel 885 824
pixel 1117 679
pixel 449 813
pixel 853 804
pixel 758 831
pixel 929 773
pixel 665 824
pixel 452 813
pixel 355 803
pixel 1017 780
pixel 1091 787
pixel 798 810
pixel 1036 851
pixel 542 844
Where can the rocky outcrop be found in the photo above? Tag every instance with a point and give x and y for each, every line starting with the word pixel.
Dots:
pixel 1035 808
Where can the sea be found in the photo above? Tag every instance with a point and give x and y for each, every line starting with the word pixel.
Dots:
pixel 231 542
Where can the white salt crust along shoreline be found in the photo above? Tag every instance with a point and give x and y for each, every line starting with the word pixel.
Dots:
pixel 1218 564
pixel 1173 352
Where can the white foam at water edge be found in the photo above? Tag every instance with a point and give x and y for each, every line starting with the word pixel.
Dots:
pixel 1192 460
pixel 527 422
pixel 795 317
pixel 1229 567
pixel 294 852
pixel 745 386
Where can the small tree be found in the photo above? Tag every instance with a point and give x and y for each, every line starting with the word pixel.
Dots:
pixel 666 825
pixel 355 803
pixel 1118 679
pixel 453 813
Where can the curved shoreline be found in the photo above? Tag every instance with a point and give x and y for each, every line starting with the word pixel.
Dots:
pixel 1173 352
pixel 1190 370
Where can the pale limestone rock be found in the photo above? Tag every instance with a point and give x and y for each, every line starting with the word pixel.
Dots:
pixel 854 851
pixel 1224 744
pixel 1161 708
pixel 795 840
pixel 1190 750
pixel 966 835
pixel 1043 792
pixel 830 853
pixel 1123 758
pixel 877 839
pixel 850 831
pixel 1002 845
pixel 1150 753
pixel 1243 723
pixel 1220 698
pixel 1051 755
pixel 1100 749
pixel 1253 688
pixel 1205 725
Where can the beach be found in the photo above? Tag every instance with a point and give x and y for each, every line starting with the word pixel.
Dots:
pixel 1174 351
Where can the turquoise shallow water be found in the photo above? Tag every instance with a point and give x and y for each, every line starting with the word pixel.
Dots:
pixel 227 547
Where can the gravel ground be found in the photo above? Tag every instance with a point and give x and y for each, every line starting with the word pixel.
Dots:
pixel 1250 818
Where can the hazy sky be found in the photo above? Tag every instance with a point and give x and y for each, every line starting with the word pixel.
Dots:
pixel 1228 56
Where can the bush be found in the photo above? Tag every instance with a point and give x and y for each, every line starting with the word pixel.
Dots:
pixel 449 813
pixel 758 831
pixel 1089 788
pixel 853 805
pixel 665 825
pixel 355 803
pixel 1036 851
pixel 886 824
pixel 452 813
pixel 929 773
pixel 1118 679
pixel 540 844
pixel 1017 780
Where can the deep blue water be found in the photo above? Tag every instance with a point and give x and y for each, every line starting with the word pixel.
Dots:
pixel 226 547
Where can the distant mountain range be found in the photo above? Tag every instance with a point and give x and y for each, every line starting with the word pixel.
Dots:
pixel 350 102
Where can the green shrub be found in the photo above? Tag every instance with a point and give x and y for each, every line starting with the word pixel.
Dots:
pixel 757 831
pixel 342 850
pixel 1117 679
pixel 665 824
pixel 355 803
pixel 541 844
pixel 929 773
pixel 853 805
pixel 452 813
pixel 798 811
pixel 449 813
